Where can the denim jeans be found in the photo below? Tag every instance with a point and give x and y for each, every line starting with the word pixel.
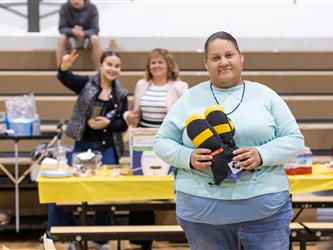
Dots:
pixel 269 233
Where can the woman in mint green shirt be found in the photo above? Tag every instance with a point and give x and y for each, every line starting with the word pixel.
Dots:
pixel 255 211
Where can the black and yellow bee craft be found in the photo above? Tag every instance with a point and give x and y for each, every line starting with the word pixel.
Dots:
pixel 215 131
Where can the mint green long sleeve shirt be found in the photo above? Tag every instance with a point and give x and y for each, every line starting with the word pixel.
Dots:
pixel 262 120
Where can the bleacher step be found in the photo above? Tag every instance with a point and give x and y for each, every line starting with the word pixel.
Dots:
pixel 283 82
pixel 187 60
pixel 308 107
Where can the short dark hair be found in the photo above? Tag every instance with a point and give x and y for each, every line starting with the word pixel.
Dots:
pixel 108 53
pixel 220 35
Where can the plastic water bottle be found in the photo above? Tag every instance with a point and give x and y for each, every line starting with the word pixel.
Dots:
pixel 61 158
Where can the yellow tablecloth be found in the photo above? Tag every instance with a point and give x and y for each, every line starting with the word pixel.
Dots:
pixel 321 179
pixel 104 187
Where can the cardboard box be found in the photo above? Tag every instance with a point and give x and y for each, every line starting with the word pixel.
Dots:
pixel 143 160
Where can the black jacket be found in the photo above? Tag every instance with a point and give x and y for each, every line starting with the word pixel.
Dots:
pixel 87 88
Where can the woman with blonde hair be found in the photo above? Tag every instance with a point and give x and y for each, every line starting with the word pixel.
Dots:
pixel 157 92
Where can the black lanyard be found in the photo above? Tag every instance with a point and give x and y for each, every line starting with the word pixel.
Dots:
pixel 211 89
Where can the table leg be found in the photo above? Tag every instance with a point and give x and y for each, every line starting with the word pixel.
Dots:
pixel 297 214
pixel 302 244
pixel 10 176
pixel 84 213
pixel 17 204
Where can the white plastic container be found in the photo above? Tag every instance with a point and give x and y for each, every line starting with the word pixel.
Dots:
pixel 302 164
pixel 86 163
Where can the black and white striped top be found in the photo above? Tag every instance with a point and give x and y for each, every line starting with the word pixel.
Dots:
pixel 153 106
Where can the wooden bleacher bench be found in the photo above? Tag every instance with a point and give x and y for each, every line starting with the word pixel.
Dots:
pixel 300 232
pixel 304 107
pixel 309 200
pixel 151 232
pixel 82 234
pixel 283 82
pixel 43 59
